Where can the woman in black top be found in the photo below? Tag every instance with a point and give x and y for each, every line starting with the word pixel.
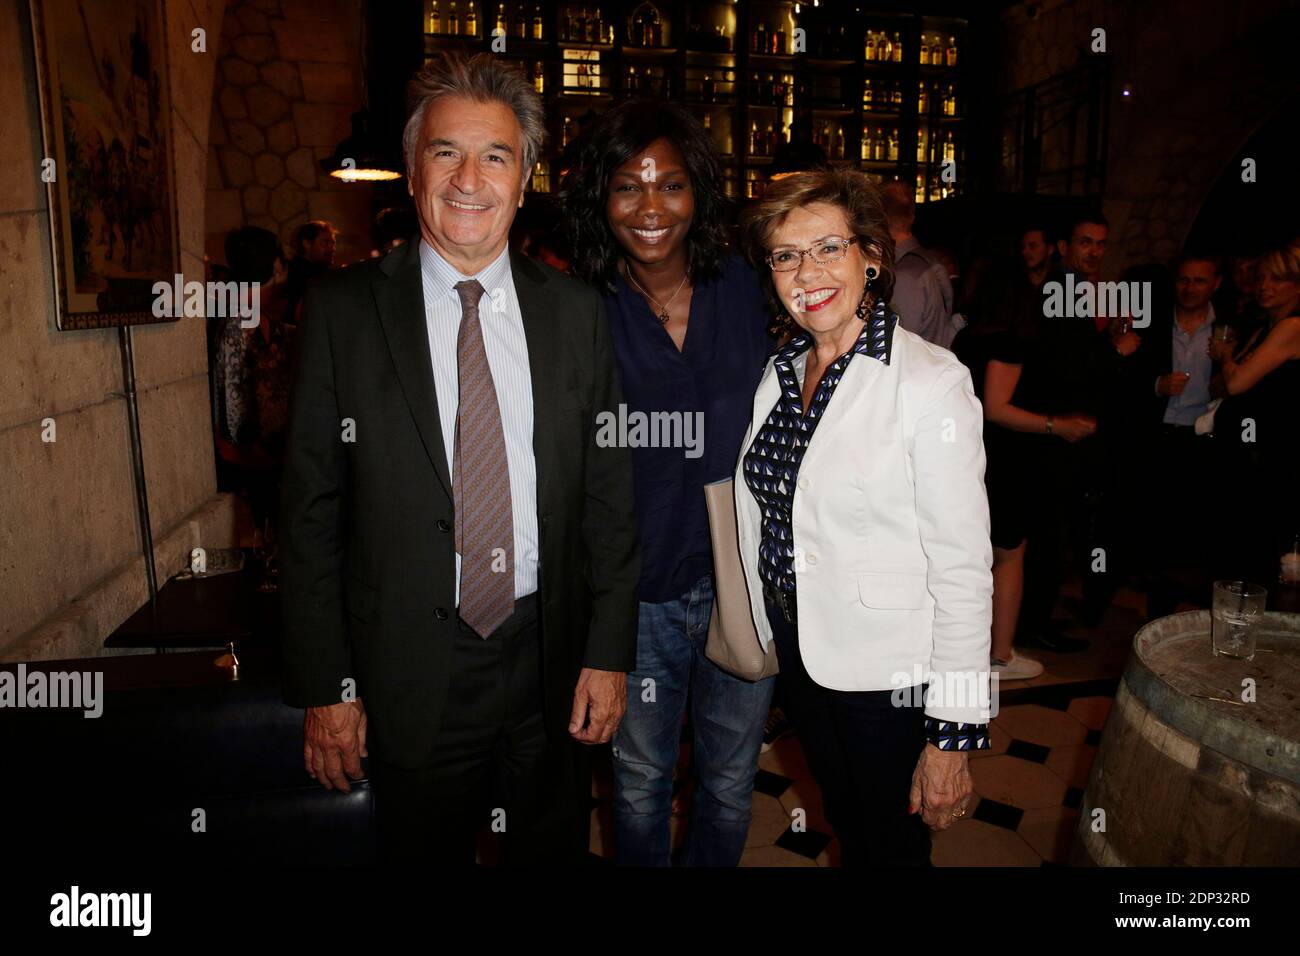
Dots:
pixel 1257 428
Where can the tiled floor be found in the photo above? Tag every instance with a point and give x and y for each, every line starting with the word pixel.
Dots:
pixel 1029 783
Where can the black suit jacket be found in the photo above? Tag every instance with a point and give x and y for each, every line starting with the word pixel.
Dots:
pixel 367 543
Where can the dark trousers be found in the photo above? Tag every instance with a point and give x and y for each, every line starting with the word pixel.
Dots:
pixel 1178 535
pixel 1077 511
pixel 494 763
pixel 862 750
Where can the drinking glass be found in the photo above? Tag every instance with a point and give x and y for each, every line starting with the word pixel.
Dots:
pixel 1237 609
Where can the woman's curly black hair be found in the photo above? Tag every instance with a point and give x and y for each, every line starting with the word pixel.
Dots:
pixel 617 136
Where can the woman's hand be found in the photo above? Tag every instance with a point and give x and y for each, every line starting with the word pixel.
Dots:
pixel 1074 427
pixel 941 787
pixel 1219 350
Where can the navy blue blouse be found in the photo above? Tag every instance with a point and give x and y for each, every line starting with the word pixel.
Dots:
pixel 772 462
pixel 715 374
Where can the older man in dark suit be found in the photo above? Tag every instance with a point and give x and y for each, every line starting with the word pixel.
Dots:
pixel 460 562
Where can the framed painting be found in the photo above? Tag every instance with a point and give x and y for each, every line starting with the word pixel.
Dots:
pixel 105 118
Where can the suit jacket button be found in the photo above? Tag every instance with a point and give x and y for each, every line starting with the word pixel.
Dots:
pixel 440 613
pixel 444 525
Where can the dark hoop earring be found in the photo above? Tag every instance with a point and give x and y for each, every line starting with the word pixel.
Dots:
pixel 871 273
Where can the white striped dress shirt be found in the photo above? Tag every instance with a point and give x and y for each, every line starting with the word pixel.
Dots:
pixel 507 355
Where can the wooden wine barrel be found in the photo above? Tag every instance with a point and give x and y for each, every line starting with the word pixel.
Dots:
pixel 1186 772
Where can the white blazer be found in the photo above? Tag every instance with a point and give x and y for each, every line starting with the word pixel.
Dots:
pixel 891 531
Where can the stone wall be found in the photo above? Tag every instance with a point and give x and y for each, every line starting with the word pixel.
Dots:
pixel 1204 76
pixel 71 568
pixel 289 78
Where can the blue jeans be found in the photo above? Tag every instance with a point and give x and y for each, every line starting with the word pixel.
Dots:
pixel 727 718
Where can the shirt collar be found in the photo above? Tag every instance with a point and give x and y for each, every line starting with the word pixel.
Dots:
pixel 1206 326
pixel 875 340
pixel 441 276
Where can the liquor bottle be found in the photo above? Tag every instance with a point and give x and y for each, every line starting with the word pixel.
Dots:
pixel 866 142
pixel 769 141
pixel 708 89
pixel 923 99
pixel 925 50
pixel 950 101
pixel 897 95
pixel 728 143
pixel 708 127
pixel 951 57
pixel 566 133
pixel 867 93
pixel 871 45
pixel 633 84
pixel 539 29
pixel 770 88
pixel 898 47
pixel 539 79
pixel 760 37
pixel 949 147
pixel 885 48
pixel 839 140
pixel 435 19
pixel 471 20
pixel 892 153
pixel 922 144
pixel 502 22
pixel 879 146
pixel 596 27
pixel 788 82
pixel 935 194
pixel 453 19
pixel 753 138
pixel 519 23
pixel 919 195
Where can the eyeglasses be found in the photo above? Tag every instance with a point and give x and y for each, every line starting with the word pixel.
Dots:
pixel 823 253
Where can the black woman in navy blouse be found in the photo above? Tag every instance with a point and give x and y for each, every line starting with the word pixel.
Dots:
pixel 647 219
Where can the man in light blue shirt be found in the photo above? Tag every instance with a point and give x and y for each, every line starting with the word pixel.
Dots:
pixel 1187 383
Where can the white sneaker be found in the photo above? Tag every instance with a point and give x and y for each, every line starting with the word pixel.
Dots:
pixel 1017 667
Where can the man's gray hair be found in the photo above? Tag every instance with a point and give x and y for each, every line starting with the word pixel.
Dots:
pixel 482 78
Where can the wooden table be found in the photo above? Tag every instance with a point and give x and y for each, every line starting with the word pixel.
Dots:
pixel 205 612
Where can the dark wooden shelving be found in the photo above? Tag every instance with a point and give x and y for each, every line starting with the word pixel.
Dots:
pixel 828 77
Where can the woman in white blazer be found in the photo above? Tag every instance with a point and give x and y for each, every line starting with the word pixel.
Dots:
pixel 864 526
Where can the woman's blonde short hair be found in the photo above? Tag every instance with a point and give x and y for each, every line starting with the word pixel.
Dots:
pixel 847 189
pixel 1282 264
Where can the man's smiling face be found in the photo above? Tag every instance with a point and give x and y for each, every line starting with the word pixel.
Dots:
pixel 468 179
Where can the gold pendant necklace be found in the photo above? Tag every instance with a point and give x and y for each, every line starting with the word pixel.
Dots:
pixel 663 309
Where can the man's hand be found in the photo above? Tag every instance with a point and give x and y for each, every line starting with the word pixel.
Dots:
pixel 1172 384
pixel 599 702
pixel 334 741
pixel 941 787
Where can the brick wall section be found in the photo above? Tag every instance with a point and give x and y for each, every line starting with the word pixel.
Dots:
pixel 1205 76
pixel 71 568
pixel 288 79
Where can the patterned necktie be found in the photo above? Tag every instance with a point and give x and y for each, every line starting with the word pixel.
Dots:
pixel 481 481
